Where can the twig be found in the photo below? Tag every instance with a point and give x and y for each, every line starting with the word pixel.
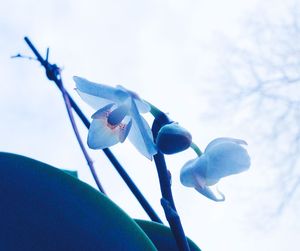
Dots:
pixel 75 129
pixel 53 74
pixel 23 56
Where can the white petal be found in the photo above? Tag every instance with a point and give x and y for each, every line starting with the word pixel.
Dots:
pixel 142 106
pixel 100 136
pixel 201 182
pixel 124 130
pixel 224 140
pixel 101 113
pixel 102 92
pixel 93 101
pixel 210 181
pixel 225 159
pixel 117 115
pixel 207 192
pixel 187 177
pixel 140 134
pixel 144 145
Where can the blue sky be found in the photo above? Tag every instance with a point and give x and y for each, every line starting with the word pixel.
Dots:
pixel 163 50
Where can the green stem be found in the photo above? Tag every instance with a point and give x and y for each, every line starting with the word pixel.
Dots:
pixel 154 110
pixel 196 149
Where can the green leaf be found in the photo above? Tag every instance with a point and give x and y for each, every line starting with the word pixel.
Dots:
pixel 43 208
pixel 162 237
pixel 70 172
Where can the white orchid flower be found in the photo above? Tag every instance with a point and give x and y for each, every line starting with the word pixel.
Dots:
pixel 117 116
pixel 222 157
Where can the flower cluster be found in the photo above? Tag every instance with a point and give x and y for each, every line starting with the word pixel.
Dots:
pixel 118 116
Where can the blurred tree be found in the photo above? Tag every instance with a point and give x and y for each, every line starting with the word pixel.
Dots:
pixel 261 75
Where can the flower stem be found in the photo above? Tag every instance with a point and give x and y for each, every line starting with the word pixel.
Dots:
pixel 196 149
pixel 75 129
pixel 154 110
pixel 167 201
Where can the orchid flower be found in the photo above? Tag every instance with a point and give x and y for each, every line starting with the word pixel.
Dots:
pixel 117 116
pixel 222 157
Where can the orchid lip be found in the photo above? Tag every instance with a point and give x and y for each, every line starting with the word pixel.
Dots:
pixel 116 116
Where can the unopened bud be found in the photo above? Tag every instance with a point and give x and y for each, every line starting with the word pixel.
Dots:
pixel 173 138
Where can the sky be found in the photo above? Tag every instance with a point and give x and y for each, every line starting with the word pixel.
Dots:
pixel 164 51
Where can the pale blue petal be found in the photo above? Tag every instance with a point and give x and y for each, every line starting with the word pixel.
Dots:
pixel 144 146
pixel 102 111
pixel 210 181
pixel 193 173
pixel 224 140
pixel 200 165
pixel 190 176
pixel 105 92
pixel 187 177
pixel 140 134
pixel 93 101
pixel 142 106
pixel 118 114
pixel 225 159
pixel 100 136
pixel 124 130
pixel 207 192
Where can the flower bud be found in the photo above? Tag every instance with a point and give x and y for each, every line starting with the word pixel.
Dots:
pixel 173 138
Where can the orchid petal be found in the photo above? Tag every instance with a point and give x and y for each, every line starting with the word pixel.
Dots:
pixel 100 92
pixel 207 192
pixel 211 182
pixel 117 115
pixel 200 166
pixel 142 106
pixel 193 172
pixel 140 134
pixel 101 136
pixel 224 140
pixel 144 146
pixel 101 112
pixel 93 101
pixel 124 130
pixel 201 182
pixel 225 159
pixel 187 175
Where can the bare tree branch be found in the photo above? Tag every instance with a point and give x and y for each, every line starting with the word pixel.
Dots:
pixel 262 74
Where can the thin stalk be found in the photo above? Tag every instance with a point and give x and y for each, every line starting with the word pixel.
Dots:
pixel 196 149
pixel 154 110
pixel 168 204
pixel 75 129
pixel 167 200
